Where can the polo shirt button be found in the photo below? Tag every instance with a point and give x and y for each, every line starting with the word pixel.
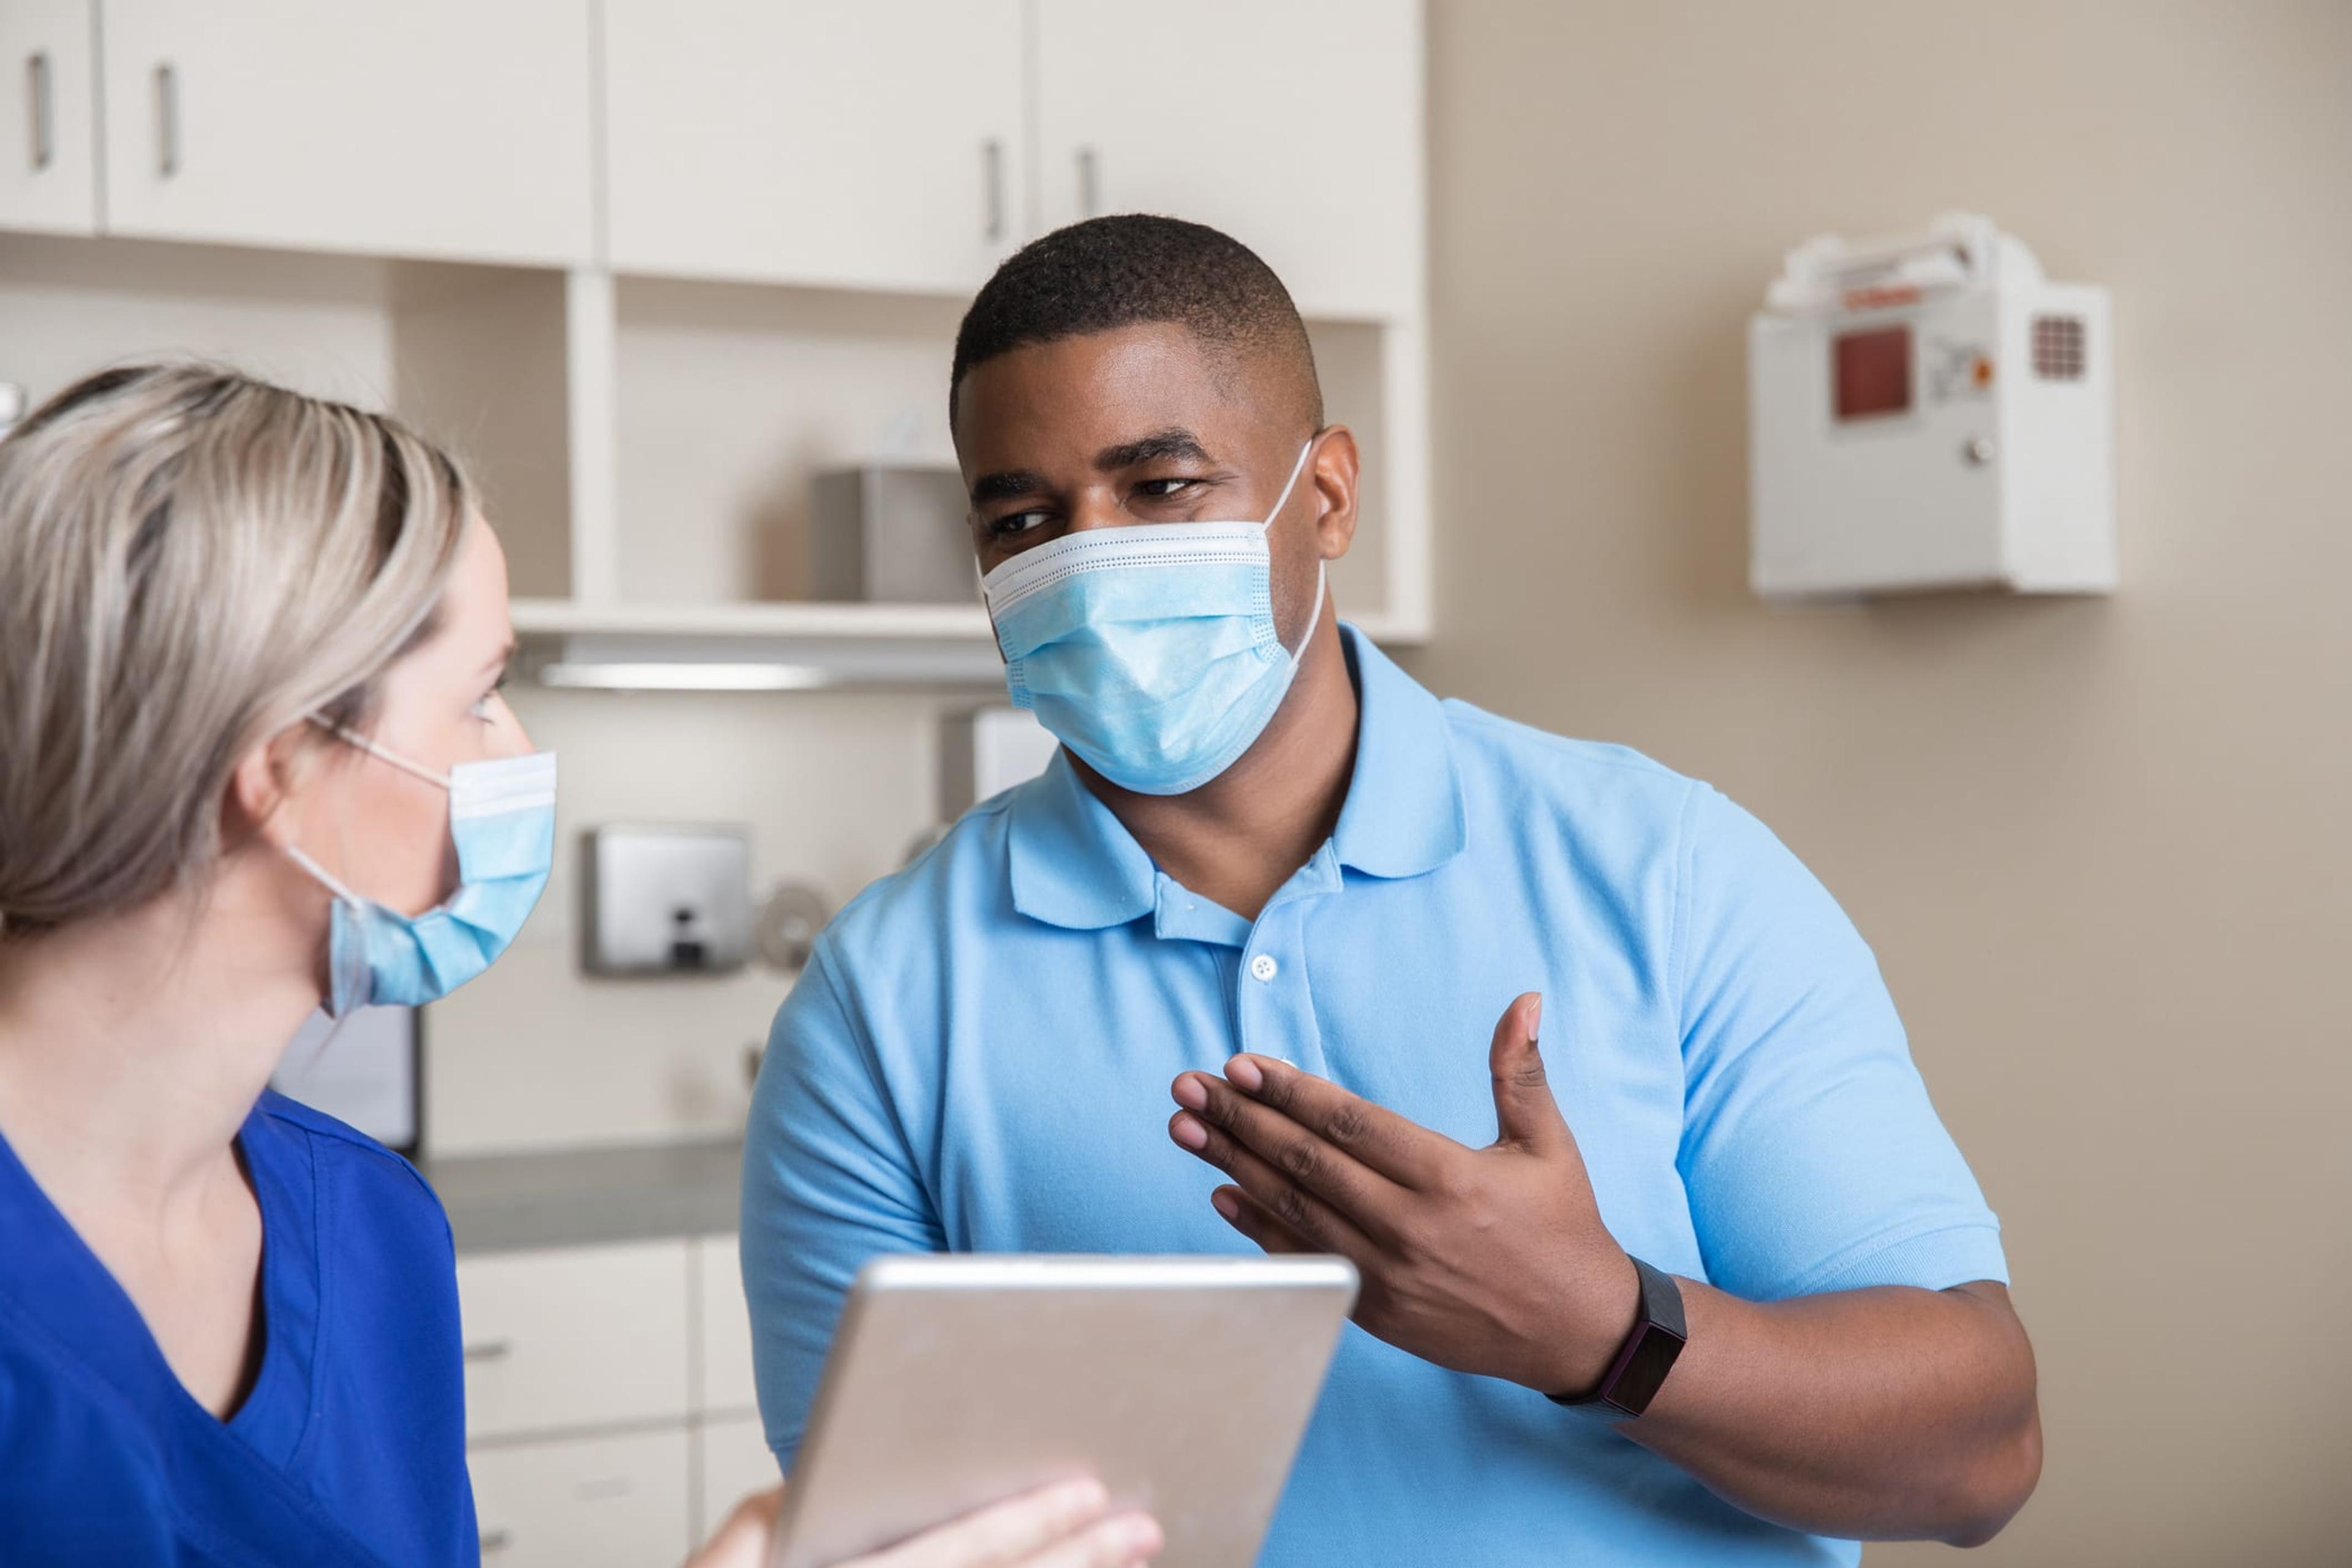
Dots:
pixel 1263 967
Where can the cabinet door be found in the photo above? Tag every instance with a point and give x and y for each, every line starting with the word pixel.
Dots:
pixel 575 1337
pixel 861 143
pixel 622 1501
pixel 725 1380
pixel 48 118
pixel 733 1460
pixel 431 128
pixel 1299 133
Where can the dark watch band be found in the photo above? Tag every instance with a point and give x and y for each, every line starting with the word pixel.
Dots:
pixel 1648 1354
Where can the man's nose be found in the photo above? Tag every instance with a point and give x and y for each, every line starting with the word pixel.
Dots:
pixel 1096 506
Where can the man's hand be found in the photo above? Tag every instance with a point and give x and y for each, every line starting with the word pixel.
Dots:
pixel 1488 1260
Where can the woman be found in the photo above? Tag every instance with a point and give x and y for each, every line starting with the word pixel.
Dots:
pixel 253 762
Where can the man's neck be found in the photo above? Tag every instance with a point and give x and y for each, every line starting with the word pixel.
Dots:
pixel 1239 837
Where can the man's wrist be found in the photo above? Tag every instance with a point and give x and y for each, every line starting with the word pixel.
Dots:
pixel 1647 1353
pixel 1584 1348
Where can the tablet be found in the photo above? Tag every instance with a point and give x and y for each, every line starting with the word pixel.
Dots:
pixel 1183 1383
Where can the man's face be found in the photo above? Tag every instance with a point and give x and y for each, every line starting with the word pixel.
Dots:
pixel 1141 425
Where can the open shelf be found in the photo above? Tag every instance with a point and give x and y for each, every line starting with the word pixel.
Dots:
pixel 471 354
pixel 646 447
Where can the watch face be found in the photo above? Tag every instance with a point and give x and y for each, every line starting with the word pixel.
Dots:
pixel 1646 1369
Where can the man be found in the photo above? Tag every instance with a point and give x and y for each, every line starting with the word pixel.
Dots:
pixel 1272 876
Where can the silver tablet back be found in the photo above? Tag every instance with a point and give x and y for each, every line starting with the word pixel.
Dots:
pixel 955 1382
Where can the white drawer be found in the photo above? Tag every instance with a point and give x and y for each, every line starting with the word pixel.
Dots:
pixel 585 1502
pixel 571 1338
pixel 733 1461
pixel 724 1381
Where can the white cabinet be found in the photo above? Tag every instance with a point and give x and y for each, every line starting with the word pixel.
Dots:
pixel 441 128
pixel 868 144
pixel 48 117
pixel 723 1371
pixel 575 1337
pixel 621 1500
pixel 610 1415
pixel 732 1461
pixel 1298 131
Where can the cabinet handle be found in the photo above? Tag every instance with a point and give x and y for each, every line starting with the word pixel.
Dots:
pixel 490 1349
pixel 45 147
pixel 992 160
pixel 1089 183
pixel 495 1540
pixel 167 120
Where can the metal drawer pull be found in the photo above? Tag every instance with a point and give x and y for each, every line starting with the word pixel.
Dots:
pixel 45 146
pixel 490 1349
pixel 495 1540
pixel 167 120
pixel 992 157
pixel 1089 183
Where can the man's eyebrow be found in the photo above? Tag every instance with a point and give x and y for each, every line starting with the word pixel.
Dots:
pixel 504 656
pixel 1006 485
pixel 1173 442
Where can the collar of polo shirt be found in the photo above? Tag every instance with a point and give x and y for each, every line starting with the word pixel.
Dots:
pixel 1074 865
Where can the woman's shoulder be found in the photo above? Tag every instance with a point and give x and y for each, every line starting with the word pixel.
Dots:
pixel 371 1184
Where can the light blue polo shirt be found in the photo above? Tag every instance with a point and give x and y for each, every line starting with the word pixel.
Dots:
pixel 978 1059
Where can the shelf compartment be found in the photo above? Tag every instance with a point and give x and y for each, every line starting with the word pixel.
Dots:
pixel 471 356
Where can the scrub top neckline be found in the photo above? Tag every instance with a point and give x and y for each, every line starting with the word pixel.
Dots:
pixel 148 1361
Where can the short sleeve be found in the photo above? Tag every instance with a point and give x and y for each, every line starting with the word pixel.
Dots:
pixel 829 1183
pixel 1811 1156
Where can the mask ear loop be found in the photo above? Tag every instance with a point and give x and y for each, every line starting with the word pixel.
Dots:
pixel 1291 483
pixel 1315 617
pixel 1322 575
pixel 382 753
pixel 325 878
pixel 350 737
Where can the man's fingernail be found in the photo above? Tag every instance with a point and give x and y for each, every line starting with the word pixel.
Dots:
pixel 1225 1204
pixel 1535 1020
pixel 1243 1074
pixel 1139 1535
pixel 1190 1133
pixel 1191 1093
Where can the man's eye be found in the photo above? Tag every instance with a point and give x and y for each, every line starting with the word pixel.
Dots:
pixel 1012 524
pixel 1160 490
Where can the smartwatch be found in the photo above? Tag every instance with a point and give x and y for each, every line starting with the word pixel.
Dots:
pixel 1634 1378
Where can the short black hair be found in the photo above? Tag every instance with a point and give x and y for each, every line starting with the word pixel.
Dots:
pixel 1131 270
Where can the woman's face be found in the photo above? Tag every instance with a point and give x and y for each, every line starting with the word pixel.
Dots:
pixel 382 830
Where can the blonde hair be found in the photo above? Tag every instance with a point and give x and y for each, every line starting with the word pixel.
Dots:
pixel 190 562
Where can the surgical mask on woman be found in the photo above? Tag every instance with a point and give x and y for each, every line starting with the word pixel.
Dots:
pixel 1150 649
pixel 502 821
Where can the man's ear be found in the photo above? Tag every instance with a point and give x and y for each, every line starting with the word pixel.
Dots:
pixel 1335 472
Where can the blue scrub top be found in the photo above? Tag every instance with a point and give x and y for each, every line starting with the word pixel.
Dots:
pixel 349 1448
pixel 978 1059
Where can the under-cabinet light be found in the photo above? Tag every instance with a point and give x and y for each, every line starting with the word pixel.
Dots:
pixel 666 676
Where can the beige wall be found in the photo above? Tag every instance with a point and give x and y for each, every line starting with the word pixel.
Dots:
pixel 2099 844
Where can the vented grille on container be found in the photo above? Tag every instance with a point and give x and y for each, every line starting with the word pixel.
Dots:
pixel 2058 348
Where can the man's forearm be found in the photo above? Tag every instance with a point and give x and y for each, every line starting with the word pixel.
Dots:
pixel 1879 1414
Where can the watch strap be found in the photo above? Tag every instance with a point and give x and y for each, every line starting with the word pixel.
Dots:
pixel 1640 1369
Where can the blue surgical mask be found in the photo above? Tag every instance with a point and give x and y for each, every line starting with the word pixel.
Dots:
pixel 502 819
pixel 1150 650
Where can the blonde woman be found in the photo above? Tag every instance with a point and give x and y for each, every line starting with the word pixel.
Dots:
pixel 254 762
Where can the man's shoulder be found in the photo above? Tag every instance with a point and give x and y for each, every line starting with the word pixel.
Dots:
pixel 959 875
pixel 1577 777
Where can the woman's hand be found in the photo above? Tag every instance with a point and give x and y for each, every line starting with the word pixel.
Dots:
pixel 1063 1526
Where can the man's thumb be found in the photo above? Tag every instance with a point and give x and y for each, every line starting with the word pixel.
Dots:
pixel 1525 1112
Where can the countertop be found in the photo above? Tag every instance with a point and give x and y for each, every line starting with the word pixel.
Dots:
pixel 585 1197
